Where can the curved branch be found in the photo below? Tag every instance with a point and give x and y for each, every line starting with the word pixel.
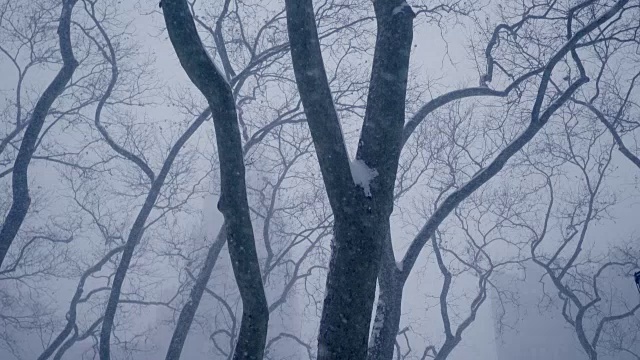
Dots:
pixel 233 194
pixel 538 120
pixel 20 181
pixel 136 233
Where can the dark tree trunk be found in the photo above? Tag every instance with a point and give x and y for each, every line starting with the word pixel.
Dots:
pixel 188 312
pixel 539 117
pixel 20 182
pixel 388 311
pixel 73 306
pixel 350 289
pixel 361 220
pixel 135 235
pixel 233 202
pixel 447 348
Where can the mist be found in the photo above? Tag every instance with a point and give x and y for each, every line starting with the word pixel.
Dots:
pixel 338 179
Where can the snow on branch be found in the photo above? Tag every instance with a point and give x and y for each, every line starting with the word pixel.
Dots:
pixel 400 8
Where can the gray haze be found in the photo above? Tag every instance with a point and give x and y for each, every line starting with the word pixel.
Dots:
pixel 570 185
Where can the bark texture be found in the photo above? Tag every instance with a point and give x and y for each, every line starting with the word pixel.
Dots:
pixel 361 221
pixel 386 323
pixel 233 202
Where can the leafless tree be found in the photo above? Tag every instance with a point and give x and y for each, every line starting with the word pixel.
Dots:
pixel 580 272
pixel 395 273
pixel 361 218
pixel 107 164
pixel 33 127
pixel 250 68
pixel 300 86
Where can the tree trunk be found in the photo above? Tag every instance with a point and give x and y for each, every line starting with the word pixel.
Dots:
pixel 135 235
pixel 20 181
pixel 447 348
pixel 233 203
pixel 73 307
pixel 387 320
pixel 188 312
pixel 350 289
pixel 361 220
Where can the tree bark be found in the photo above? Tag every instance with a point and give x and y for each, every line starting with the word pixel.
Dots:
pixel 233 203
pixel 361 220
pixel 388 312
pixel 20 181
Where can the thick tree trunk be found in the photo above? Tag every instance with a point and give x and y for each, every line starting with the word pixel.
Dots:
pixel 351 281
pixel 20 182
pixel 361 220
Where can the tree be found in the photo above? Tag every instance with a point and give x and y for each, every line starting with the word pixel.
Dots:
pixel 362 217
pixel 38 238
pixel 250 69
pixel 20 182
pixel 299 87
pixel 579 270
pixel 576 271
pixel 575 266
pixel 396 275
pixel 101 158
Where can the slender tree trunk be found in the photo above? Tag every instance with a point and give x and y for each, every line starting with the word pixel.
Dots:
pixel 388 311
pixel 135 235
pixel 233 203
pixel 446 349
pixel 587 346
pixel 20 181
pixel 73 305
pixel 188 312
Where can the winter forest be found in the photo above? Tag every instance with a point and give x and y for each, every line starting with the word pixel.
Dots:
pixel 329 179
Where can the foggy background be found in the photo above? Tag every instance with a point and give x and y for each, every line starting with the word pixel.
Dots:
pixel 85 196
